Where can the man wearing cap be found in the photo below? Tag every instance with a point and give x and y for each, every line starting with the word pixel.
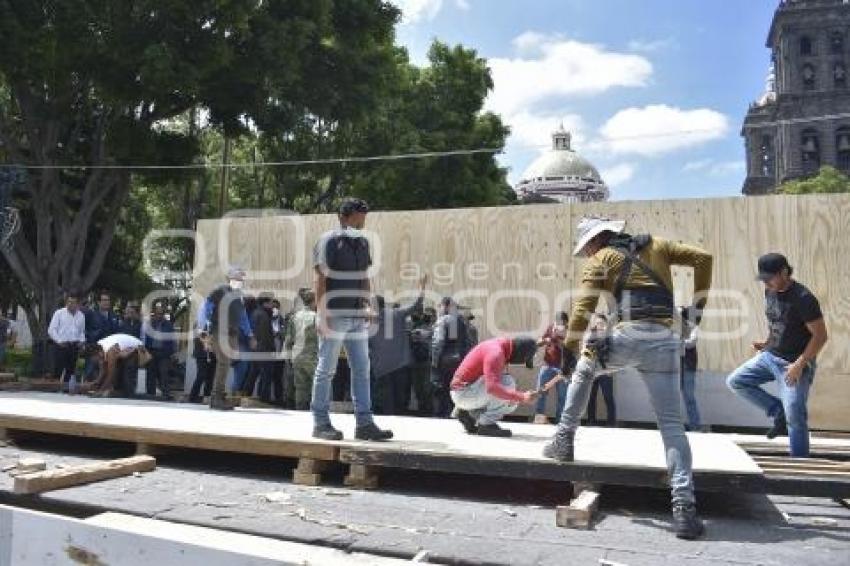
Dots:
pixel 341 261
pixel 483 392
pixel 223 329
pixel 633 274
pixel 796 335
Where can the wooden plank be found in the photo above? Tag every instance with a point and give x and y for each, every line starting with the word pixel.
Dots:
pixel 39 482
pixel 579 513
pixel 116 538
pixel 269 433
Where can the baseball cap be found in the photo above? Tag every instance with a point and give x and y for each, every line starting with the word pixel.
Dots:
pixel 770 265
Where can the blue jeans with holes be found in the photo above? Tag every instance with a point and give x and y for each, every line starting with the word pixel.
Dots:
pixel 545 376
pixel 353 334
pixel 651 349
pixel 746 382
pixel 485 408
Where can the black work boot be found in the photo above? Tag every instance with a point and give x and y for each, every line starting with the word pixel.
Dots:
pixel 470 425
pixel 562 446
pixel 780 426
pixel 326 432
pixel 220 403
pixel 372 432
pixel 686 524
pixel 493 430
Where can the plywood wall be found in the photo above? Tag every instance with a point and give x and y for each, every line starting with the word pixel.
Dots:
pixel 513 265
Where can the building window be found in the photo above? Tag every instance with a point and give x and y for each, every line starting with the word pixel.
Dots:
pixel 836 43
pixel 809 77
pixel 839 75
pixel 806 46
pixel 842 148
pixel 766 157
pixel 811 151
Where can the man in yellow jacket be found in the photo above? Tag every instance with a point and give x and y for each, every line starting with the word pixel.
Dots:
pixel 632 274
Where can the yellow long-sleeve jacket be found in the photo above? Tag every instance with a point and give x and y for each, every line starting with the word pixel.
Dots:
pixel 602 269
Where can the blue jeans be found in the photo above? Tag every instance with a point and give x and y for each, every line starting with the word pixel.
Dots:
pixel 485 408
pixel 545 376
pixel 653 351
pixel 689 397
pixel 353 333
pixel 746 382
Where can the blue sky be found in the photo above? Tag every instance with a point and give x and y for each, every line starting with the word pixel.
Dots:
pixel 654 90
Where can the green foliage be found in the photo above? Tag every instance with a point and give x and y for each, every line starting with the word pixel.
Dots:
pixel 92 82
pixel 828 180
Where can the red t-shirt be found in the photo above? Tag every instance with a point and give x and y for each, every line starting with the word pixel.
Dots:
pixel 488 360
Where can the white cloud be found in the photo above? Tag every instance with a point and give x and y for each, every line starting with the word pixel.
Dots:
pixel 650 46
pixel 659 129
pixel 715 168
pixel 530 130
pixel 414 11
pixel 618 174
pixel 698 165
pixel 550 66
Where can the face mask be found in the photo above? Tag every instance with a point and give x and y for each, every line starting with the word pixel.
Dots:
pixel 236 285
pixel 275 311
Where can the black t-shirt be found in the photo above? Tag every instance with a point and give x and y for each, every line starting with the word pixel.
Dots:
pixel 343 256
pixel 787 315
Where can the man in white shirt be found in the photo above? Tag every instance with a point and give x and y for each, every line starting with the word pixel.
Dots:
pixel 119 357
pixel 68 331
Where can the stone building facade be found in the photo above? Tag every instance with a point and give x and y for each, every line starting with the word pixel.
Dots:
pixel 802 121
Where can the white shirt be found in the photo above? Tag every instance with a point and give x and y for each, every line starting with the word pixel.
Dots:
pixel 124 341
pixel 66 327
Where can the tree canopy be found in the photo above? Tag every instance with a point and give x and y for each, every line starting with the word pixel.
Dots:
pixel 828 180
pixel 87 83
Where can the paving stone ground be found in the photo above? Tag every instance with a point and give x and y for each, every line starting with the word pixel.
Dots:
pixel 457 519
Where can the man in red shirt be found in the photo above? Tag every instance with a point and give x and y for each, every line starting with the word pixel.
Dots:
pixel 481 390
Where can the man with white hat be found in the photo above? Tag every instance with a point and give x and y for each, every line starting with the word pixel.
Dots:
pixel 633 274
pixel 224 330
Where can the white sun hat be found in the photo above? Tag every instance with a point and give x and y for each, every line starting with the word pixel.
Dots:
pixel 590 226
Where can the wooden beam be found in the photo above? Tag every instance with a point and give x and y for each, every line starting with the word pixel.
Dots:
pixel 579 513
pixel 362 477
pixel 309 471
pixel 48 480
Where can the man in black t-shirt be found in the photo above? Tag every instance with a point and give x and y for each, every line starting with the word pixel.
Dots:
pixel 341 262
pixel 797 334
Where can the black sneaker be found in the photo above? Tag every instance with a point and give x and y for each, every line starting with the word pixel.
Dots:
pixel 326 432
pixel 780 426
pixel 372 432
pixel 493 430
pixel 686 524
pixel 562 447
pixel 467 420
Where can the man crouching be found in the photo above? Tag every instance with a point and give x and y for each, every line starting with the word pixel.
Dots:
pixel 481 390
pixel 120 356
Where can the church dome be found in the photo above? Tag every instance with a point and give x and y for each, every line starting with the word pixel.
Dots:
pixel 562 174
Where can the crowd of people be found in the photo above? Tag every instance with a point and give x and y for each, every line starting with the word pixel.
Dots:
pixel 342 340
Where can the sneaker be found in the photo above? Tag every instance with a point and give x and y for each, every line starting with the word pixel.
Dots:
pixel 493 430
pixel 326 432
pixel 562 446
pixel 780 426
pixel 467 420
pixel 221 403
pixel 686 524
pixel 372 432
